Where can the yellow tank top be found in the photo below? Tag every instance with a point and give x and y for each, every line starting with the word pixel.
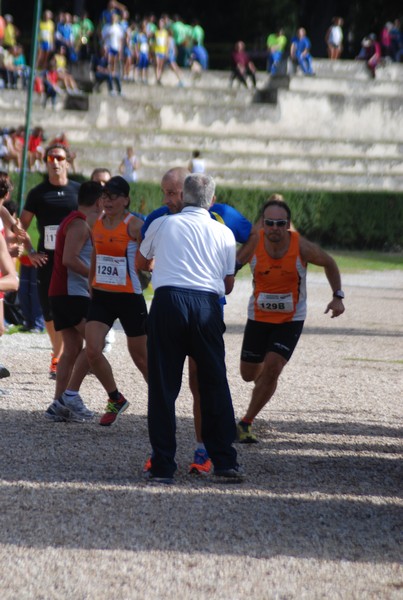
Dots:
pixel 161 41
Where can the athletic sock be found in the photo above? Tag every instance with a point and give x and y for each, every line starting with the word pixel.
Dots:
pixel 114 396
pixel 70 393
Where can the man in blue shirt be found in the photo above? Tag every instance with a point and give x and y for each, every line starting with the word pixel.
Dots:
pixel 303 52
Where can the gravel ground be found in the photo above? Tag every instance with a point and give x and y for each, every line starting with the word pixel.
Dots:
pixel 319 516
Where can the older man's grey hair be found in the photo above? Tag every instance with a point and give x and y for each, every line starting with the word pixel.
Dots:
pixel 198 190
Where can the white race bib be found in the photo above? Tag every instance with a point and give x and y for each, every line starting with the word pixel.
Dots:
pixel 275 302
pixel 50 236
pixel 110 269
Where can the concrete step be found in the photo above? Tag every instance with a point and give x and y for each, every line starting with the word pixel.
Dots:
pixel 356 87
pixel 244 161
pixel 356 69
pixel 298 114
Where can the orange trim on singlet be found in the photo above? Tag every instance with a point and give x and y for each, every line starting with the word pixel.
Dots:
pixel 112 242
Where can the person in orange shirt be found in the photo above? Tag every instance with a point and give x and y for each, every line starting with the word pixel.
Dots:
pixel 116 292
pixel 277 307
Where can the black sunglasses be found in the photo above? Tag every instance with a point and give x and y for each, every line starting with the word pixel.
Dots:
pixel 277 222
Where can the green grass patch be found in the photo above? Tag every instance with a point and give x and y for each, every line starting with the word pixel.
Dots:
pixel 356 261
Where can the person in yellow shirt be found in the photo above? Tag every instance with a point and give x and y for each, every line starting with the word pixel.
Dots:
pixel 10 32
pixel 46 39
pixel 160 49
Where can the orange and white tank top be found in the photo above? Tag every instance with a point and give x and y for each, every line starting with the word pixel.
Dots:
pixel 279 284
pixel 115 258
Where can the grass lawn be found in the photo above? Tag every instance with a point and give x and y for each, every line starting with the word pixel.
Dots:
pixel 355 261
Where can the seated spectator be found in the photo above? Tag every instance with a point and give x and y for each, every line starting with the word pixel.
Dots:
pixel 242 66
pixel 50 83
pixel 301 48
pixel 36 151
pixel 199 60
pixel 276 44
pixel 102 73
pixel 370 52
pixel 21 69
pixel 11 148
pixel 7 70
pixel 65 77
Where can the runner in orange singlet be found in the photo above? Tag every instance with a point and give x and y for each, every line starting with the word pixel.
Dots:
pixel 116 292
pixel 277 307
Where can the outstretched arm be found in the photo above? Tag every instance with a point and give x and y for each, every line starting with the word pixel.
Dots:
pixel 312 253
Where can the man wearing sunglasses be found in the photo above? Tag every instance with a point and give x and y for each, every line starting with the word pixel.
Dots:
pixel 277 307
pixel 50 202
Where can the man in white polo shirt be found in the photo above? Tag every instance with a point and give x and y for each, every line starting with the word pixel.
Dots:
pixel 194 267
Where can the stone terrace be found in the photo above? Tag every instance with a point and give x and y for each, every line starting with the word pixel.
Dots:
pixel 339 130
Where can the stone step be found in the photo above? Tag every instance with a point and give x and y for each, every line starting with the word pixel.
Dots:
pixel 297 114
pixel 356 87
pixel 254 162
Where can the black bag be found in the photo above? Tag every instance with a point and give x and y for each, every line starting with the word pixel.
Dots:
pixel 77 102
pixel 12 309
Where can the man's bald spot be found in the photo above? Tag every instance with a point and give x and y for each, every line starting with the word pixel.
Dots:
pixel 176 175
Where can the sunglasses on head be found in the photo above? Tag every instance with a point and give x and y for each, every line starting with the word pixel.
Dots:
pixel 275 222
pixel 52 158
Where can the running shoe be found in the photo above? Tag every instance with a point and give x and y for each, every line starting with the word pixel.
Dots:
pixel 113 409
pixel 201 464
pixel 78 411
pixel 57 412
pixel 233 475
pixel 155 479
pixel 53 368
pixel 244 433
pixel 4 372
pixel 147 465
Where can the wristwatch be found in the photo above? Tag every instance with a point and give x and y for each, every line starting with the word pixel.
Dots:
pixel 338 294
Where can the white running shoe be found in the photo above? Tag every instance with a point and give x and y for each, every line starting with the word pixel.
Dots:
pixel 78 411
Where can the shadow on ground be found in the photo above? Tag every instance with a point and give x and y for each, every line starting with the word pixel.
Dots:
pixel 79 486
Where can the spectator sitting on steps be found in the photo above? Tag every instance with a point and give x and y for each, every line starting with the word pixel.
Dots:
pixel 300 52
pixel 371 53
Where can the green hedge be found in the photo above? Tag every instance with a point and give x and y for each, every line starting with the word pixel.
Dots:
pixel 349 220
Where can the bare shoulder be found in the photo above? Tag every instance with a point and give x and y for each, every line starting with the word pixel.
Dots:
pixel 312 253
pixel 134 228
